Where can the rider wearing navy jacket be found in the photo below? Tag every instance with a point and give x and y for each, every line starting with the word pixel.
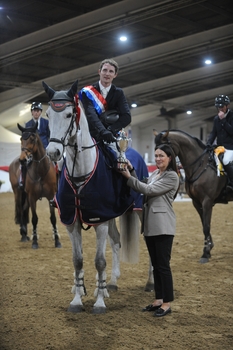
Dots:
pixel 43 124
pixel 223 133
pixel 43 132
pixel 107 95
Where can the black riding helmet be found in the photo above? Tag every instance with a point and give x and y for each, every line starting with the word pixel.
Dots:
pixel 222 100
pixel 36 105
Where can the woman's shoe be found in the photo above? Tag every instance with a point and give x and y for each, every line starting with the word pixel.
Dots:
pixel 161 312
pixel 151 307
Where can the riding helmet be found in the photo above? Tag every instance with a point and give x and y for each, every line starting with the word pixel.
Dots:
pixel 222 100
pixel 36 105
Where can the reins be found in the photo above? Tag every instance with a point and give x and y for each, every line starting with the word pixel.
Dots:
pixel 38 161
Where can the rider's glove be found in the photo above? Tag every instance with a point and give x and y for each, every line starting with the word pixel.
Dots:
pixel 107 136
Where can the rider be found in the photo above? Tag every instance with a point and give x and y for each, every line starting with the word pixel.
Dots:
pixel 102 96
pixel 43 124
pixel 42 129
pixel 223 131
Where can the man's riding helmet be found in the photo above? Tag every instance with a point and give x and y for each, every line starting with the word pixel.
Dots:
pixel 36 105
pixel 222 100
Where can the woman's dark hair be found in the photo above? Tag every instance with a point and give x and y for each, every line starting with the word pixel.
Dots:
pixel 170 153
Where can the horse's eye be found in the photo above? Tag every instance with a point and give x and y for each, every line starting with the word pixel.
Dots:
pixel 69 115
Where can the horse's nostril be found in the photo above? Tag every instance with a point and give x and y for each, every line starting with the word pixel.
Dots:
pixel 58 153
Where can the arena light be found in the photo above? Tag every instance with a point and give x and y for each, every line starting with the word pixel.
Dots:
pixel 208 61
pixel 134 105
pixel 189 112
pixel 123 38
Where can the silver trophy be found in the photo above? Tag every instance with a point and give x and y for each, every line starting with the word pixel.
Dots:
pixel 122 142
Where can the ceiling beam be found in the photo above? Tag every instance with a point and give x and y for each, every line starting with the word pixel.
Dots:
pixel 86 25
pixel 127 62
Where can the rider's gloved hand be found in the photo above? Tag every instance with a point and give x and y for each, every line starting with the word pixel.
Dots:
pixel 107 136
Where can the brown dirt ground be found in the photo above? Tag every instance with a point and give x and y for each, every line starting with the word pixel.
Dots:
pixel 36 291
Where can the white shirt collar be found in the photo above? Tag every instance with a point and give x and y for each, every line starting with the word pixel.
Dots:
pixel 38 120
pixel 106 88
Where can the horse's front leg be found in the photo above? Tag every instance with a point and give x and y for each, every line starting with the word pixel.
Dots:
pixel 100 264
pixel 34 225
pixel 205 213
pixel 79 290
pixel 53 221
pixel 114 239
pixel 22 213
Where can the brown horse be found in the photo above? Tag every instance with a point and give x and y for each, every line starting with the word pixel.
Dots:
pixel 40 180
pixel 204 185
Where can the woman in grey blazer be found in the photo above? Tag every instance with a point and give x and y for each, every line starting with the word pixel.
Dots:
pixel 159 223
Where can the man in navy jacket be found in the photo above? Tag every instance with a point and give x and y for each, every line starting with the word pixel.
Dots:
pixel 43 132
pixel 43 124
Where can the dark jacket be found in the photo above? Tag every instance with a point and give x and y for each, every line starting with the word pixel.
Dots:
pixel 223 130
pixel 43 131
pixel 115 100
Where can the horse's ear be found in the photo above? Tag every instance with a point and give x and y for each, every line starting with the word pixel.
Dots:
pixel 165 135
pixel 20 127
pixel 155 132
pixel 73 90
pixel 49 91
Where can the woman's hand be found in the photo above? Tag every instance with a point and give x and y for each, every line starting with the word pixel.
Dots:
pixel 126 173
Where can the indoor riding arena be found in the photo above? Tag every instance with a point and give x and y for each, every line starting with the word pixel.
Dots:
pixel 169 65
pixel 36 290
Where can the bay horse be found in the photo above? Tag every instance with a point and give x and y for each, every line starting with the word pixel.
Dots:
pixel 70 136
pixel 40 181
pixel 203 183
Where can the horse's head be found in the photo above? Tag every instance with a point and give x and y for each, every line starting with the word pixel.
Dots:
pixel 30 142
pixel 163 138
pixel 62 119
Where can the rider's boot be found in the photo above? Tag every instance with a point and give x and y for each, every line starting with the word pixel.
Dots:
pixel 229 170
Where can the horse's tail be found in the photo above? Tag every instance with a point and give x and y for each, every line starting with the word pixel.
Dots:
pixel 129 229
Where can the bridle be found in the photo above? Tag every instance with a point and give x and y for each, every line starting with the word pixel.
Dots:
pixel 59 106
pixel 29 154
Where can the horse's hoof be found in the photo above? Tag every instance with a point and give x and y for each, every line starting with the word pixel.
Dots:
pixel 58 245
pixel 35 246
pixel 204 260
pixel 25 239
pixel 112 287
pixel 97 310
pixel 76 309
pixel 149 287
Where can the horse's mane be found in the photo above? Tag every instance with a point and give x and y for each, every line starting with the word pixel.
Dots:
pixel 199 142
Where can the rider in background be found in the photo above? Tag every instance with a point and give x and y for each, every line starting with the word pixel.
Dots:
pixel 43 132
pixel 223 131
pixel 102 96
pixel 43 124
